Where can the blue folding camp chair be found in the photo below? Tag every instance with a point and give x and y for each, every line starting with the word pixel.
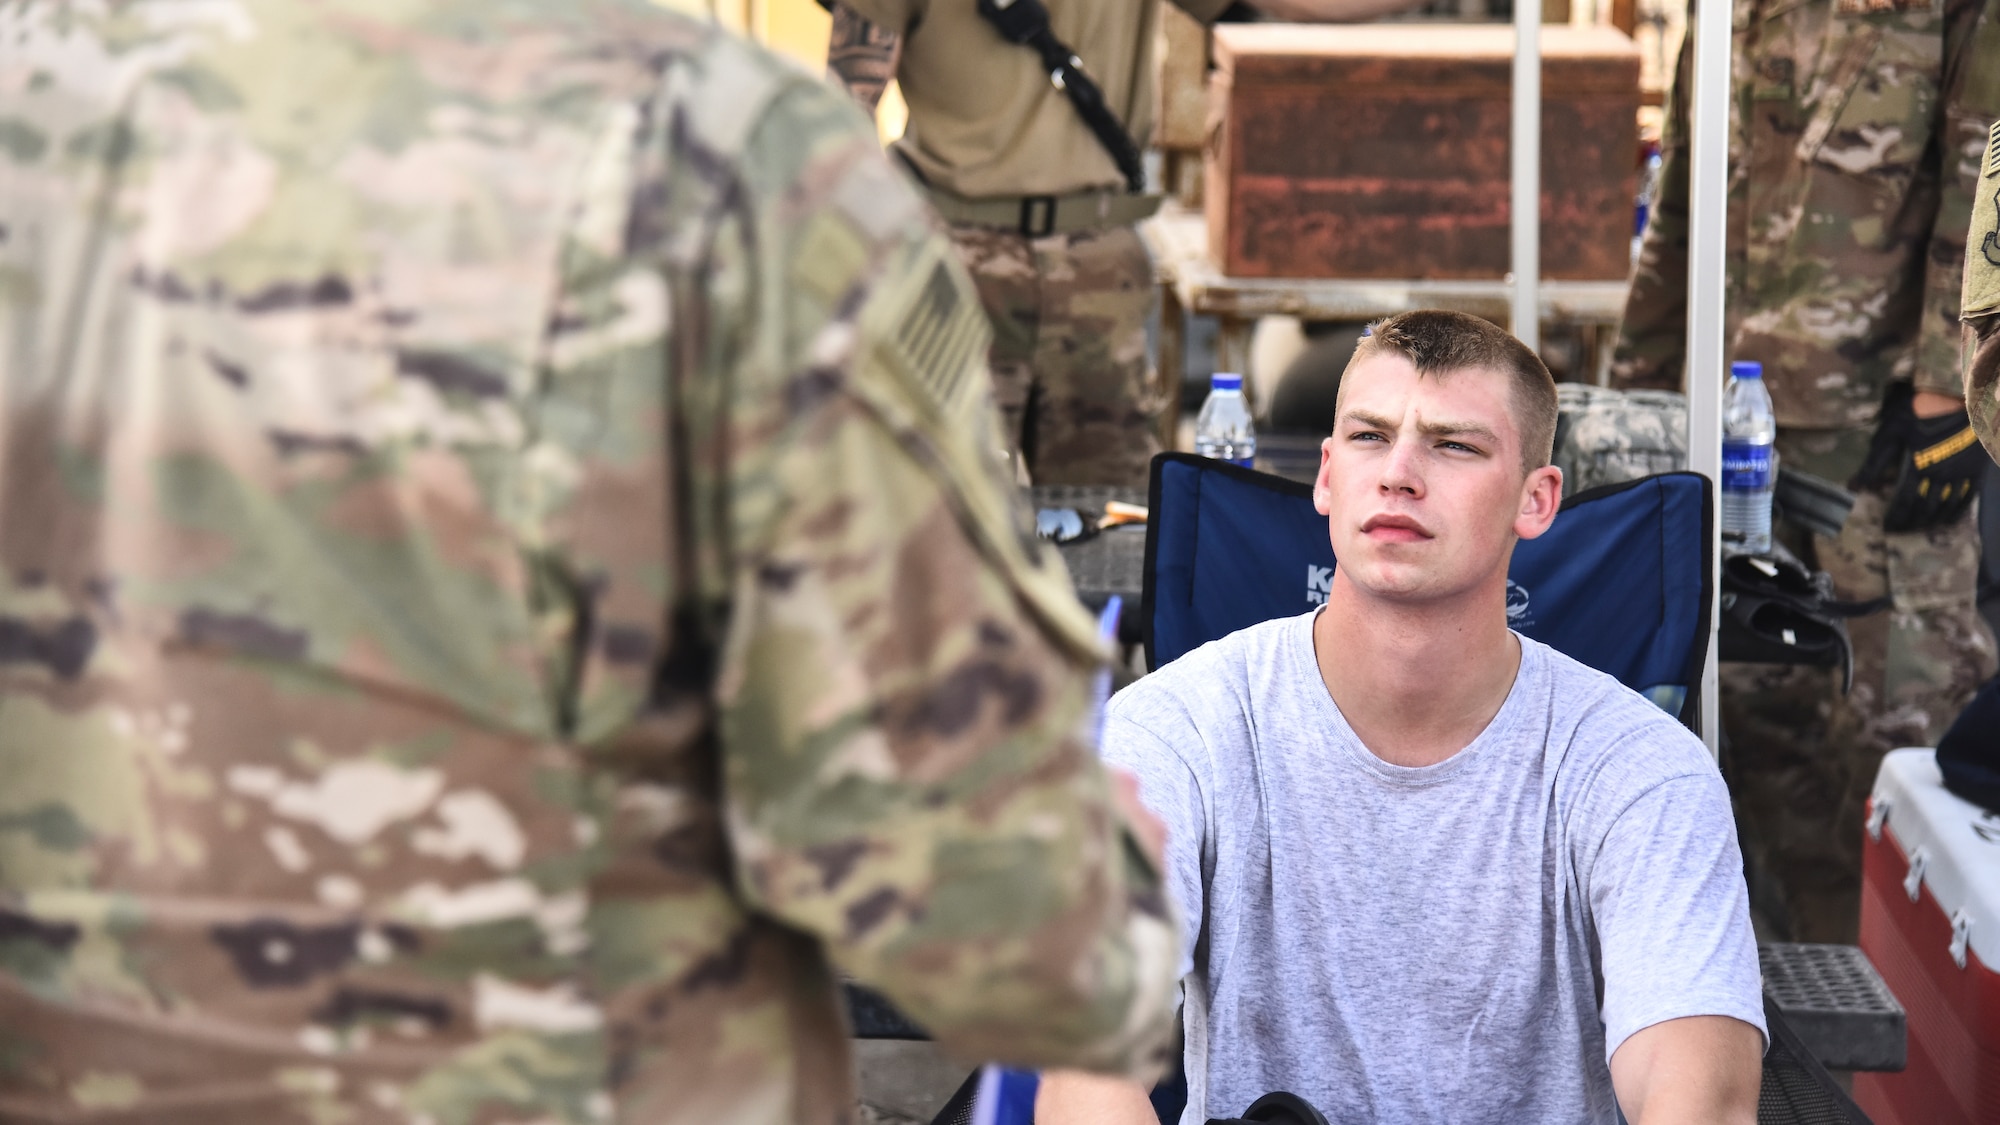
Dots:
pixel 1620 581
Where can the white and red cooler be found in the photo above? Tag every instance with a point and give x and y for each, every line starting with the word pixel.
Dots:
pixel 1930 921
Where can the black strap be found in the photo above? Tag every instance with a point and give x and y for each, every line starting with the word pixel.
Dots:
pixel 1026 22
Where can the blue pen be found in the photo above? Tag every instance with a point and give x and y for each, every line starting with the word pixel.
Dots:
pixel 1107 631
pixel 1006 1097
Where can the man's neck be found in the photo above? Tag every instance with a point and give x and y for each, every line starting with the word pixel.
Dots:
pixel 1417 683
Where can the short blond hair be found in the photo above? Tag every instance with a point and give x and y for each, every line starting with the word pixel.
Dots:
pixel 1441 342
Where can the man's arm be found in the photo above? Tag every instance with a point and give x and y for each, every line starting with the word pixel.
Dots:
pixel 1169 788
pixel 1699 1070
pixel 1682 999
pixel 906 671
pixel 1652 335
pixel 862 56
pixel 1071 1097
pixel 1918 442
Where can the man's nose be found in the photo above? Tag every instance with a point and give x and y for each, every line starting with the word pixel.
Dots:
pixel 1401 470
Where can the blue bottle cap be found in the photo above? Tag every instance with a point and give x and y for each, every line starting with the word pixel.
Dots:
pixel 1224 381
pixel 1746 369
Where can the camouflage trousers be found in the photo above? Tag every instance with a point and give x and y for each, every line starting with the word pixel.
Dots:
pixel 1802 758
pixel 1070 372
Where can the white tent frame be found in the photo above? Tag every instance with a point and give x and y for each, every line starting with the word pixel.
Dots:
pixel 1706 249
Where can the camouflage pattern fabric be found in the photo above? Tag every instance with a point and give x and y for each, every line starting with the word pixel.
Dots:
pixel 1981 303
pixel 1606 436
pixel 1802 758
pixel 1856 128
pixel 507 589
pixel 1069 362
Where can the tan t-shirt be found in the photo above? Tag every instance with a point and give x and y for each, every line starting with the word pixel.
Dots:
pixel 984 119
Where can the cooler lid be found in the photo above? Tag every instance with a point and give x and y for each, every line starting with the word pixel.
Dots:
pixel 1960 843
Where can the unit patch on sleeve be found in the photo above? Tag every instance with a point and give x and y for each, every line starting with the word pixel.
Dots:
pixel 1982 243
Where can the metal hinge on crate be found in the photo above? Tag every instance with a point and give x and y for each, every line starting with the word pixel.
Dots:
pixel 1913 883
pixel 1878 814
pixel 1961 936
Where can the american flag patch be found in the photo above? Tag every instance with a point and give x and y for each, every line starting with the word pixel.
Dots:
pixel 938 341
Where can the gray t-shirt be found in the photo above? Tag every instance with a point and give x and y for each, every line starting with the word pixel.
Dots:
pixel 1463 942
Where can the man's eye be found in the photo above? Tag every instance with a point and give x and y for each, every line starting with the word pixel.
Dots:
pixel 1366 435
pixel 1457 445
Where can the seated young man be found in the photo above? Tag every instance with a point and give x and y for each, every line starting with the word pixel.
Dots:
pixel 1431 870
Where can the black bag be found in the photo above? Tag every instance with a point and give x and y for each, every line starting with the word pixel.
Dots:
pixel 1279 1108
pixel 1969 753
pixel 1775 611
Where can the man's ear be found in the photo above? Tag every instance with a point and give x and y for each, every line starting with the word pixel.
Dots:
pixel 1323 481
pixel 1541 499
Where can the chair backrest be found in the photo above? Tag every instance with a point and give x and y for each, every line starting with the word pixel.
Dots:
pixel 1620 581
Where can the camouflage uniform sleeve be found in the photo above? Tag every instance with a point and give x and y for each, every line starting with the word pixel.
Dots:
pixel 1981 301
pixel 1652 335
pixel 1970 102
pixel 904 676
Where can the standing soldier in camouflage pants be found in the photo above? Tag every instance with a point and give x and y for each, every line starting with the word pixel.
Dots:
pixel 1038 206
pixel 505 589
pixel 1856 129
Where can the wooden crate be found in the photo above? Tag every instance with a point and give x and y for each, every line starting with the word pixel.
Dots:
pixel 1381 151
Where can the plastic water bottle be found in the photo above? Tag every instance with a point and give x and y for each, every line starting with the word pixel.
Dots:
pixel 1223 430
pixel 1749 468
pixel 1649 187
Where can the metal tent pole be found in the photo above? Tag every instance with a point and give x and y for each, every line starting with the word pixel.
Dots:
pixel 1707 246
pixel 1525 203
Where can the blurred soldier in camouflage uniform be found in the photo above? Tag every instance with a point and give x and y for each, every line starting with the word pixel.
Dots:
pixel 1038 210
pixel 508 588
pixel 1856 130
pixel 1038 207
pixel 1981 302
